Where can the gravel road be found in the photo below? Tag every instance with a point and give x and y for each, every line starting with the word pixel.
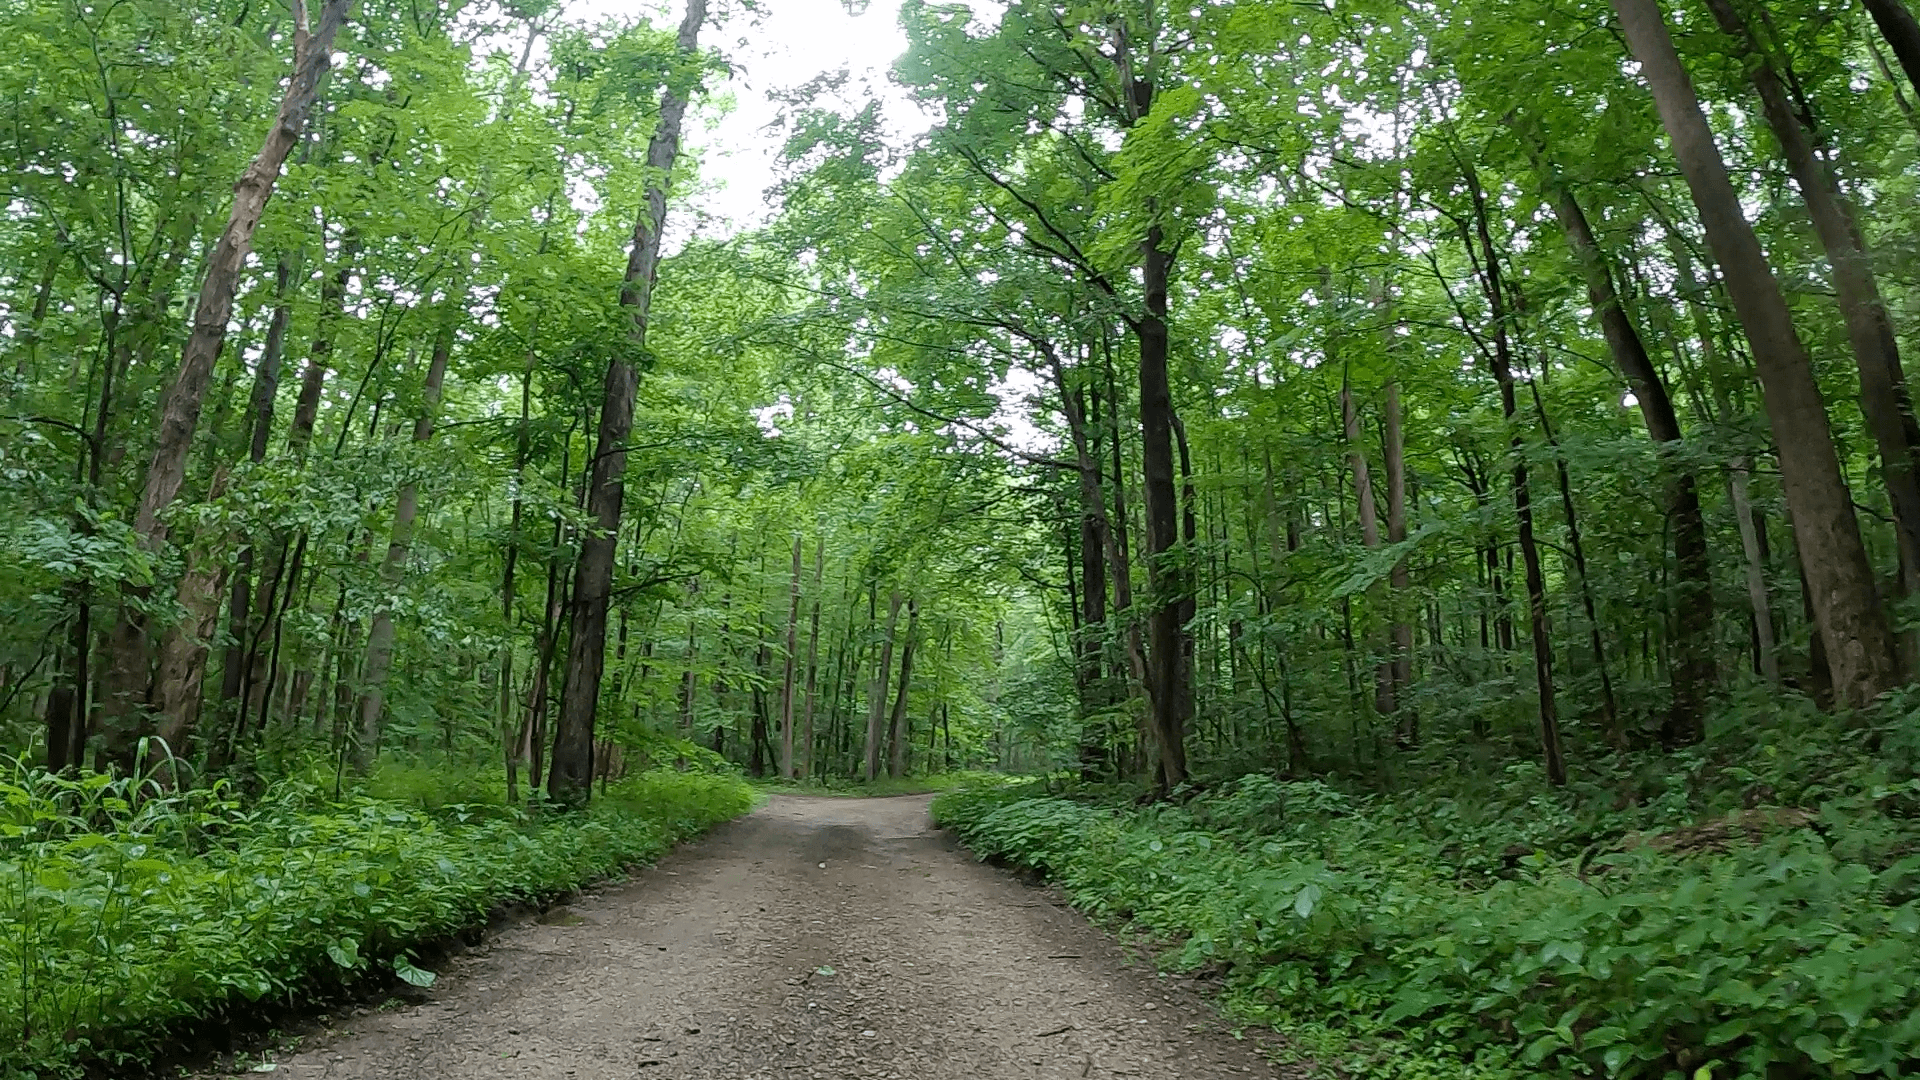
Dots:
pixel 843 939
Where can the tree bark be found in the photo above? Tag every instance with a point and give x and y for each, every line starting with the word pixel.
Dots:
pixel 897 737
pixel 1399 580
pixel 813 658
pixel 1369 515
pixel 786 680
pixel 877 703
pixel 266 386
pixel 373 672
pixel 1168 694
pixel 1500 359
pixel 180 413
pixel 1693 669
pixel 1739 472
pixel 570 780
pixel 130 679
pixel 1852 625
pixel 1902 31
pixel 1609 706
pixel 1884 399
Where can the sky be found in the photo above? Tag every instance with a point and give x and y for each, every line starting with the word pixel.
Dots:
pixel 790 43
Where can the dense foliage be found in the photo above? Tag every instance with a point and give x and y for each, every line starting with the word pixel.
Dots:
pixel 124 915
pixel 1483 923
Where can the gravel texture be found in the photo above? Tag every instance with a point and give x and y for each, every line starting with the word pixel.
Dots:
pixel 844 939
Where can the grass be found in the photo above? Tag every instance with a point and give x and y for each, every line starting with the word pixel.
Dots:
pixel 126 913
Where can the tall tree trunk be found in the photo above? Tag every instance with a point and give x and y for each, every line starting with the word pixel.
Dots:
pixel 1399 580
pixel 813 658
pixel 67 706
pixel 689 678
pixel 1739 472
pixel 510 560
pixel 1609 707
pixel 266 387
pixel 1501 360
pixel 1902 32
pixel 1884 399
pixel 786 680
pixel 373 672
pixel 1368 512
pixel 877 701
pixel 759 749
pixel 1098 549
pixel 180 665
pixel 1168 695
pixel 1693 668
pixel 1853 626
pixel 130 678
pixel 571 779
pixel 897 736
pixel 1189 598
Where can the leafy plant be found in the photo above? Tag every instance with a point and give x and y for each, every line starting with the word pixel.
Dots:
pixel 122 914
pixel 1645 941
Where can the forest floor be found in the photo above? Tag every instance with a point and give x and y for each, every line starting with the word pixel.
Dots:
pixel 841 939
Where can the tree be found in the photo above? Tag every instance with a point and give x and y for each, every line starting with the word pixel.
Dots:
pixel 1852 625
pixel 571 778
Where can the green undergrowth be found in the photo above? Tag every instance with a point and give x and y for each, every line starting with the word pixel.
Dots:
pixel 1749 908
pixel 126 915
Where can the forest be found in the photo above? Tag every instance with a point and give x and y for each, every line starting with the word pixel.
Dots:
pixel 1425 496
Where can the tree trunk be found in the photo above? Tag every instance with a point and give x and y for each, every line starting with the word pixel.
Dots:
pixel 266 386
pixel 66 708
pixel 897 737
pixel 1609 707
pixel 1693 669
pixel 786 680
pixel 1902 32
pixel 1739 471
pixel 130 679
pixel 877 703
pixel 181 663
pixel 1399 581
pixel 180 412
pixel 510 560
pixel 1168 694
pixel 1368 512
pixel 1884 400
pixel 1501 360
pixel 813 658
pixel 1853 626
pixel 570 780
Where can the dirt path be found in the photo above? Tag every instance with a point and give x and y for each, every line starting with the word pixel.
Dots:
pixel 843 939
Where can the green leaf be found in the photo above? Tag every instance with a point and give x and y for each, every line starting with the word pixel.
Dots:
pixel 413 976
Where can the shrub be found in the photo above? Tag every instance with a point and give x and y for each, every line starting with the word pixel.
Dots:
pixel 1523 932
pixel 120 916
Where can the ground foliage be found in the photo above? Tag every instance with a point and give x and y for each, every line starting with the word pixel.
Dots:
pixel 125 913
pixel 1752 909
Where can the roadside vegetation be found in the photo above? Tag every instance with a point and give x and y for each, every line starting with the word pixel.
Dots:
pixel 128 912
pixel 1749 907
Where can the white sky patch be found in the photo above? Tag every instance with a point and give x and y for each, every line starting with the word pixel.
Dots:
pixel 791 43
pixel 770 417
pixel 1015 413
